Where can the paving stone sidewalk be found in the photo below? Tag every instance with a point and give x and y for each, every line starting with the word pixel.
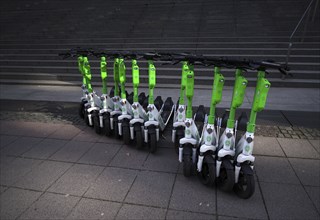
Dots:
pixel 66 171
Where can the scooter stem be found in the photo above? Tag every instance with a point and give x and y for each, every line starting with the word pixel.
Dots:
pixel 190 89
pixel 135 80
pixel 116 76
pixel 103 68
pixel 259 100
pixel 152 80
pixel 87 74
pixel 237 96
pixel 122 77
pixel 185 69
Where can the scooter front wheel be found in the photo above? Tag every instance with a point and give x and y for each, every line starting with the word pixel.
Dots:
pixel 82 109
pixel 187 160
pixel 152 142
pixel 86 118
pixel 226 177
pixel 96 123
pixel 139 137
pixel 126 132
pixel 208 174
pixel 116 129
pixel 106 125
pixel 246 185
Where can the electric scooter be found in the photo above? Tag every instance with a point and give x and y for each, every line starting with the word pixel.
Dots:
pixel 126 109
pixel 139 114
pixel 156 122
pixel 180 111
pixel 226 147
pixel 210 138
pixel 244 160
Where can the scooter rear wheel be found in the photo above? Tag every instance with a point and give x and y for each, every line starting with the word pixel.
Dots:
pixel 246 185
pixel 187 160
pixel 208 174
pixel 226 177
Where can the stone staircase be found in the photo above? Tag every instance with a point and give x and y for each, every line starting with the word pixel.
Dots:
pixel 32 35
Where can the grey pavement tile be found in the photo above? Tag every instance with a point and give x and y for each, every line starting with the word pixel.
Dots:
pixel 14 202
pixel 67 132
pixel 3 189
pixel 267 146
pixel 231 205
pixel 20 146
pixel 151 188
pixel 100 154
pixel 140 212
pixel 72 151
pixel 231 218
pixel 178 215
pixel 275 169
pixel 112 184
pixel 129 157
pixel 11 172
pixel 308 171
pixel 190 195
pixel 88 135
pixel 31 129
pixel 163 160
pixel 45 148
pixel 51 206
pixel 285 201
pixel 76 180
pixel 6 139
pixel 110 140
pixel 42 176
pixel 314 194
pixel 298 148
pixel 316 144
pixel 94 209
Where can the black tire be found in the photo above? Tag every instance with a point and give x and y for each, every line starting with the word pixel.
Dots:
pixel 226 177
pixel 82 109
pixel 179 135
pixel 187 160
pixel 139 138
pixel 208 172
pixel 86 119
pixel 152 142
pixel 96 123
pixel 116 129
pixel 106 130
pixel 246 185
pixel 126 132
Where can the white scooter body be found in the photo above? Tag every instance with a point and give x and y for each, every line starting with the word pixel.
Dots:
pixel 106 106
pixel 191 137
pixel 208 143
pixel 244 152
pixel 226 147
pixel 94 103
pixel 178 120
pixel 126 112
pixel 116 110
pixel 139 116
pixel 153 117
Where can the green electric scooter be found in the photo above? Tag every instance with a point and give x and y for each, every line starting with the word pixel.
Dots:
pixel 210 137
pixel 226 147
pixel 244 160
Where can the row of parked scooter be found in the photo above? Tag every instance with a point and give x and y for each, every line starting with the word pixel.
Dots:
pixel 138 119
